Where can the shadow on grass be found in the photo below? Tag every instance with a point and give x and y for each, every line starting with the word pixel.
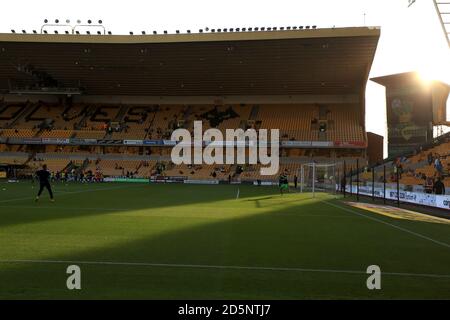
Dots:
pixel 298 234
pixel 103 201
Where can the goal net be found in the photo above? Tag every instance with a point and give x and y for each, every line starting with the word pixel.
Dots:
pixel 318 177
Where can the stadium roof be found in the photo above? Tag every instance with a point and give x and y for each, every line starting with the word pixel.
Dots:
pixel 319 61
pixel 412 78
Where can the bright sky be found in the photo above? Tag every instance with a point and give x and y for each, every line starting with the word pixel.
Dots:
pixel 411 38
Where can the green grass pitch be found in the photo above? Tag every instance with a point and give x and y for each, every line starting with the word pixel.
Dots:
pixel 199 242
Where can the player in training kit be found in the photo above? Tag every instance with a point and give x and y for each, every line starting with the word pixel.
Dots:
pixel 44 182
pixel 283 183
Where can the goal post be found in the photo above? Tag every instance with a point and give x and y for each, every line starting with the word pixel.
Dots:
pixel 318 177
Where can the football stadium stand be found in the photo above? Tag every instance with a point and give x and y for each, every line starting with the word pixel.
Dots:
pixel 418 169
pixel 122 121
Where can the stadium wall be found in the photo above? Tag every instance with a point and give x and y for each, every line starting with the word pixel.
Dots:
pixel 374 148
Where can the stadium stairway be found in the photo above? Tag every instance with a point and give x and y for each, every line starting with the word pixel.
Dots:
pixel 122 112
pixel 254 113
pixel 150 125
pixel 20 116
pixel 187 114
pixel 90 111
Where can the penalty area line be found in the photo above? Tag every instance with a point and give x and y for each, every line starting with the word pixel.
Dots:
pixel 419 235
pixel 230 267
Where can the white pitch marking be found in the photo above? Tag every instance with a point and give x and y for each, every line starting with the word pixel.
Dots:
pixel 389 224
pixel 67 208
pixel 230 267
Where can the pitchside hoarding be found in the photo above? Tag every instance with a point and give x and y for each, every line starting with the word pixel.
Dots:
pixel 424 199
pixel 161 143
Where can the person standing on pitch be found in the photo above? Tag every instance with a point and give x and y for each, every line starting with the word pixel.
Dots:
pixel 283 183
pixel 44 182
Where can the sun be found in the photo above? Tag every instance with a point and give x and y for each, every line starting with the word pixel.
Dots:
pixel 435 70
